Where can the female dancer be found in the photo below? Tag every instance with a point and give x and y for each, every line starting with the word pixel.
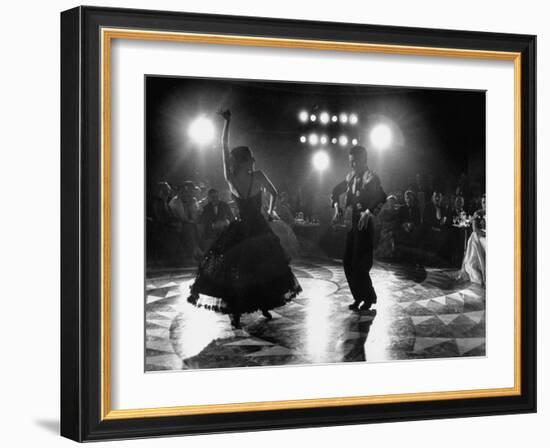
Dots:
pixel 246 268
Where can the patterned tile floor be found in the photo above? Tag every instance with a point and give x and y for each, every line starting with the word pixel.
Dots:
pixel 421 313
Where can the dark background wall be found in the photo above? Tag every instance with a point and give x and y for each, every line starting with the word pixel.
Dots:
pixel 435 132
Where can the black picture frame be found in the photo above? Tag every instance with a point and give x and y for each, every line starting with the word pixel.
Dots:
pixel 81 281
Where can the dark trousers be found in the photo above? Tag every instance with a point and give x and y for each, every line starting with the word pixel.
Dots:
pixel 358 260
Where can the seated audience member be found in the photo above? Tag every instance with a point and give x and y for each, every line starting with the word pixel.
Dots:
pixel 216 216
pixel 409 220
pixel 388 220
pixel 436 225
pixel 185 209
pixel 163 239
pixel 457 211
pixel 184 205
pixel 473 266
pixel 160 212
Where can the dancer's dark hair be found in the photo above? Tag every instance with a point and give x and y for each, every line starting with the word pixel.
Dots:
pixel 242 154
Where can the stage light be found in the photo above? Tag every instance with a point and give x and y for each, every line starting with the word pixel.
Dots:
pixel 381 136
pixel 313 139
pixel 324 140
pixel 303 139
pixel 343 140
pixel 354 142
pixel 303 116
pixel 202 130
pixel 334 118
pixel 334 140
pixel 321 160
pixel 324 117
pixel 343 118
pixel 353 119
pixel 313 117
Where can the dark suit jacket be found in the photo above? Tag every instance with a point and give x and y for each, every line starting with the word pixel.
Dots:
pixel 430 216
pixel 409 214
pixel 362 192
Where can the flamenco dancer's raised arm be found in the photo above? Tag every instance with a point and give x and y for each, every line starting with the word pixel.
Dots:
pixel 226 114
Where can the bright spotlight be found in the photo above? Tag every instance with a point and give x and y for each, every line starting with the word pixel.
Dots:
pixel 303 116
pixel 313 139
pixel 324 117
pixel 334 118
pixel 354 142
pixel 303 139
pixel 353 119
pixel 381 136
pixel 343 118
pixel 343 140
pixel 202 130
pixel 334 140
pixel 321 160
pixel 324 140
pixel 313 117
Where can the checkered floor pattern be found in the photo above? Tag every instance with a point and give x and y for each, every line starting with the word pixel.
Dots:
pixel 421 313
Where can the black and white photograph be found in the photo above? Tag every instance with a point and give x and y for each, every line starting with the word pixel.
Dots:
pixel 304 223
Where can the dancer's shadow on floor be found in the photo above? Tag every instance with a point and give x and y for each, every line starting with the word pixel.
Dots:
pixel 412 272
pixel 358 325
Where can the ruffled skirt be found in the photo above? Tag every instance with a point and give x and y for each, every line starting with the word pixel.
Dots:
pixel 245 270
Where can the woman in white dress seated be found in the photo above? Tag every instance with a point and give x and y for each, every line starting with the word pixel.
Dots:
pixel 473 266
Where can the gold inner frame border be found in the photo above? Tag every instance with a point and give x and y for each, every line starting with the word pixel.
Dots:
pixel 107 35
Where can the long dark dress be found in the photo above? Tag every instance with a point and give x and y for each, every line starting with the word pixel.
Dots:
pixel 246 269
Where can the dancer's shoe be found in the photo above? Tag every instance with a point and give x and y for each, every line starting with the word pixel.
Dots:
pixel 354 306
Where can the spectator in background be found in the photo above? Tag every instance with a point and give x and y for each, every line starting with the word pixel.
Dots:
pixel 421 191
pixel 160 211
pixel 457 212
pixel 409 220
pixel 388 219
pixel 436 215
pixel 164 246
pixel 184 205
pixel 185 208
pixel 216 216
pixel 436 225
pixel 399 195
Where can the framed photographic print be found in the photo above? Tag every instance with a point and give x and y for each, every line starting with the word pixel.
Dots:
pixel 275 224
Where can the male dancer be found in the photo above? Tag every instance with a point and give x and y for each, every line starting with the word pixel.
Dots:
pixel 365 196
